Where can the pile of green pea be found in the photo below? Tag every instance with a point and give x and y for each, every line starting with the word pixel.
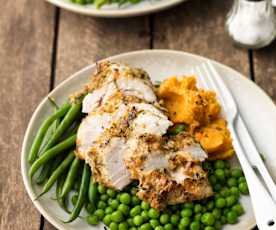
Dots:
pixel 100 3
pixel 124 210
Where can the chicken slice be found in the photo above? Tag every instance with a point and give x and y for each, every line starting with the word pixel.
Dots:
pixel 168 169
pixel 108 165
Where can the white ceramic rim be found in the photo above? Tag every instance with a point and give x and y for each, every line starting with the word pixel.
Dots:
pixel 24 146
pixel 114 13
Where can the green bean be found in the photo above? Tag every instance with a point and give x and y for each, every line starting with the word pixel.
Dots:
pixel 42 131
pixel 60 169
pixel 70 178
pixel 93 192
pixel 82 193
pixel 61 200
pixel 66 122
pixel 51 153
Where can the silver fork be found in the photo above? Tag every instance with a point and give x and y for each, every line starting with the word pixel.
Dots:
pixel 263 204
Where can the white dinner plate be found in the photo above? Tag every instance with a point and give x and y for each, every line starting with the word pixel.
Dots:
pixel 114 11
pixel 255 106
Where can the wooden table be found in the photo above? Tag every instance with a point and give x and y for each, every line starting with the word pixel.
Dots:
pixel 41 45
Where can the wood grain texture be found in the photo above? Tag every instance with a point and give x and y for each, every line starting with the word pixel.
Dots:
pixel 265 69
pixel 197 26
pixel 83 40
pixel 26 31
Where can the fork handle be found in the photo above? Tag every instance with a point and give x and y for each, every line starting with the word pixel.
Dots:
pixel 254 156
pixel 263 205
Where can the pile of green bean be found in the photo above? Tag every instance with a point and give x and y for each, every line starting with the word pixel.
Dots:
pixel 100 3
pixel 55 158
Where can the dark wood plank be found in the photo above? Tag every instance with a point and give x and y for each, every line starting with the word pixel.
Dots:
pixel 197 26
pixel 26 32
pixel 265 69
pixel 83 40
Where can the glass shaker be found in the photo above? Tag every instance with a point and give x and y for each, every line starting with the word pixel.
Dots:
pixel 252 23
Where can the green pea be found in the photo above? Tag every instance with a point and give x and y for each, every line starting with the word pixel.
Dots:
pixel 135 200
pixel 232 182
pixel 99 213
pixel 210 205
pixel 195 225
pixel 111 193
pixel 114 204
pixel 90 208
pixel 197 208
pixel 125 198
pixel 212 179
pixel 133 228
pixel 243 188
pixel 117 216
pixel 124 209
pixel 101 205
pixel 231 200
pixel 135 211
pixel 118 196
pixel 174 219
pixel 113 226
pixel 235 191
pixel 225 211
pixel 217 225
pixel 164 218
pixel 186 212
pixel 130 222
pixel 154 223
pixel 208 219
pixel 108 210
pixel 209 228
pixel 232 217
pixel 185 221
pixel 216 213
pixel 153 213
pixel 217 187
pixel 225 192
pixel 181 227
pixel 123 226
pixel 159 228
pixel 145 226
pixel 197 217
pixel 74 199
pixel 107 219
pixel 138 220
pixel 145 205
pixel 220 174
pixel 241 179
pixel 227 164
pixel 223 219
pixel 219 164
pixel 92 220
pixel 168 226
pixel 104 197
pixel 220 202
pixel 101 189
pixel 145 216
pixel 238 209
pixel 236 173
pixel 189 205
pixel 227 172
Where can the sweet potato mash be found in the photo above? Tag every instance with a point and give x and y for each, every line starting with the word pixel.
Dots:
pixel 199 109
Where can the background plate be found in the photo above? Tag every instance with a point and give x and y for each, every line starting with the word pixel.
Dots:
pixel 113 11
pixel 161 64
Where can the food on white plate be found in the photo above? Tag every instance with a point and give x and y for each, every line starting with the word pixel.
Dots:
pixel 148 148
